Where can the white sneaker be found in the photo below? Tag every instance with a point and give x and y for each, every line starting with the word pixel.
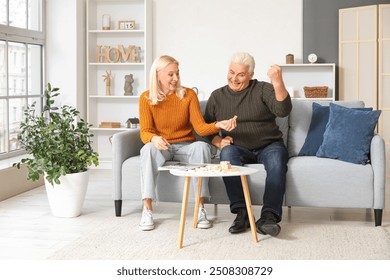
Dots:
pixel 203 222
pixel 146 220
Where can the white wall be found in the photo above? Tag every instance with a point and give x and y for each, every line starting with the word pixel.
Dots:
pixel 65 50
pixel 203 34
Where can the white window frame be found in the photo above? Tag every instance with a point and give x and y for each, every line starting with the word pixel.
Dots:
pixel 11 34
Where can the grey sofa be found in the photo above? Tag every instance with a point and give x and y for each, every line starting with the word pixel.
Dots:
pixel 311 181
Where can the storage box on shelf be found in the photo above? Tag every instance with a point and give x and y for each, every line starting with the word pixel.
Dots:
pixel 317 75
pixel 316 92
pixel 118 61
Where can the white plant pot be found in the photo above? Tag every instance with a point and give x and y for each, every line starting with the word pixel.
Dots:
pixel 67 198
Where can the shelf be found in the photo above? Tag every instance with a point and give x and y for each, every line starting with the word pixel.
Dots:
pixel 111 129
pixel 116 64
pixel 311 99
pixel 297 76
pixel 116 107
pixel 115 96
pixel 308 65
pixel 116 31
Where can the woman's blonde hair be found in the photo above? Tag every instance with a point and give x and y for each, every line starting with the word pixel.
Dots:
pixel 155 91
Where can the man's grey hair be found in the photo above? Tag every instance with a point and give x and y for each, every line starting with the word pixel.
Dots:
pixel 244 58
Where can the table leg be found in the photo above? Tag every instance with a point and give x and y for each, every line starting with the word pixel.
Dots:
pixel 248 203
pixel 183 211
pixel 197 199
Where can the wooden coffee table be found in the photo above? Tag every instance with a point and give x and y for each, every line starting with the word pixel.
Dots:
pixel 242 172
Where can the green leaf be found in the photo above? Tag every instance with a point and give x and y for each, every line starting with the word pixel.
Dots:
pixel 58 140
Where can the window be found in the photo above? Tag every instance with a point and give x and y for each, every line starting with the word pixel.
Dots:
pixel 22 41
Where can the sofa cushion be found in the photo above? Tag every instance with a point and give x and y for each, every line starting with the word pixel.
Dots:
pixel 324 182
pixel 214 150
pixel 315 135
pixel 300 119
pixel 202 105
pixel 283 127
pixel 348 134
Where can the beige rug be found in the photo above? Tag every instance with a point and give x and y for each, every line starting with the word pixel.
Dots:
pixel 120 239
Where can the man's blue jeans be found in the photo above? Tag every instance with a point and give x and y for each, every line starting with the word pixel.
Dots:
pixel 274 157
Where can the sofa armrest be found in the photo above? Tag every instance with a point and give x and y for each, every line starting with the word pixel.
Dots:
pixel 378 163
pixel 125 144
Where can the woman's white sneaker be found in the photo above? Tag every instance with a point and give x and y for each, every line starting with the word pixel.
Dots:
pixel 203 222
pixel 146 220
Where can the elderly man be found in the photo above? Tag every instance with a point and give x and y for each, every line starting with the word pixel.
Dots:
pixel 256 139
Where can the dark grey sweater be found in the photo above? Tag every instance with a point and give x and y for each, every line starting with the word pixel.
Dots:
pixel 256 108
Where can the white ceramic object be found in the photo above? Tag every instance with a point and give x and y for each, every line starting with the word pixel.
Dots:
pixel 312 58
pixel 66 200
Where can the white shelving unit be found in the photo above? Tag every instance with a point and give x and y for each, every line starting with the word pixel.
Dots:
pixel 115 107
pixel 297 76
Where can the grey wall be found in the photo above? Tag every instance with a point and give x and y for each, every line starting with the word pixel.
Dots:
pixel 321 28
pixel 321 25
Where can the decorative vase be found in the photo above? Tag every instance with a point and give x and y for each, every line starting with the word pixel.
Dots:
pixel 106 22
pixel 290 59
pixel 67 198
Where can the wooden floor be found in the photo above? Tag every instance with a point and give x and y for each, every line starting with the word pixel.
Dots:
pixel 29 231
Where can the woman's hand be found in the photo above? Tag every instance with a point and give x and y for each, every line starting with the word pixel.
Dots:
pixel 160 142
pixel 227 125
pixel 226 142
pixel 221 143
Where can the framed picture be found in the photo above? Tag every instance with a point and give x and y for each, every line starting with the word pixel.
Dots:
pixel 126 24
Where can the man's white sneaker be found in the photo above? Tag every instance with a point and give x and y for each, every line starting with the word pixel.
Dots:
pixel 146 220
pixel 203 222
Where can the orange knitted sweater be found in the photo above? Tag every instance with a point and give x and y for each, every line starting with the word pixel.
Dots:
pixel 173 119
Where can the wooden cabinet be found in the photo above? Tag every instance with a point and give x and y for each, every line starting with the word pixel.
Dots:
pixel 364 61
pixel 358 54
pixel 384 78
pixel 125 49
pixel 297 76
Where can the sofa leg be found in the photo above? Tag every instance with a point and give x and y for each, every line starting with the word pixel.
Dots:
pixel 118 208
pixel 378 217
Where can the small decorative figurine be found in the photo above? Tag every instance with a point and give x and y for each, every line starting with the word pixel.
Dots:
pixel 107 79
pixel 132 123
pixel 128 84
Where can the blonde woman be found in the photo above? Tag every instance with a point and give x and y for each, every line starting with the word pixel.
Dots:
pixel 168 115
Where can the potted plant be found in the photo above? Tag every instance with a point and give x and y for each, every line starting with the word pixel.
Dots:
pixel 59 144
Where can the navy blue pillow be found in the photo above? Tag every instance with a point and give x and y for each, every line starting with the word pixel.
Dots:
pixel 314 137
pixel 348 134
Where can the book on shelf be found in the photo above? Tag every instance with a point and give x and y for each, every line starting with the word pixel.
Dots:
pixel 110 125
